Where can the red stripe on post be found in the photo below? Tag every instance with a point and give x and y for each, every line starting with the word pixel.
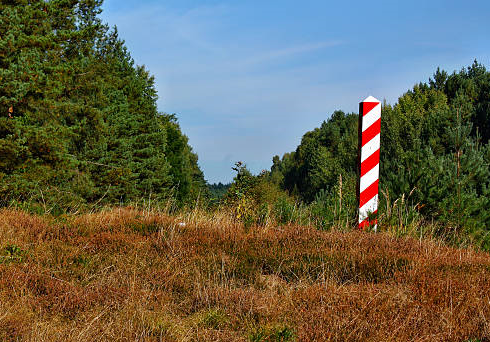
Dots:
pixel 368 194
pixel 369 163
pixel 371 132
pixel 366 223
pixel 368 106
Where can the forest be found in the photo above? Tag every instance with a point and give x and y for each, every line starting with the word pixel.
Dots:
pixel 80 130
pixel 80 125
pixel 110 232
pixel 434 158
pixel 434 166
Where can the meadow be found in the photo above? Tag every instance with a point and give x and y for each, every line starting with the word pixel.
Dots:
pixel 273 256
pixel 130 274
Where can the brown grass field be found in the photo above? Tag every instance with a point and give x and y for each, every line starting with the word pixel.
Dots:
pixel 128 275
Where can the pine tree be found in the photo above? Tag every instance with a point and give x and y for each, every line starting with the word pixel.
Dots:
pixel 80 122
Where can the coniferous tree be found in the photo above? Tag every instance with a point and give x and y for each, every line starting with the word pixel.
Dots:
pixel 434 149
pixel 80 122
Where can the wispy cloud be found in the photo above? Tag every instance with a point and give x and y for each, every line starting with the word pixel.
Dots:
pixel 212 85
pixel 267 56
pixel 248 79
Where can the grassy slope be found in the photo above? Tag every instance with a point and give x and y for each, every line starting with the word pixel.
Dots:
pixel 128 275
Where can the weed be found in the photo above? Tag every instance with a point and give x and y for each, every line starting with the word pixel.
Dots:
pixel 213 318
pixel 82 260
pixel 145 227
pixel 278 333
pixel 12 253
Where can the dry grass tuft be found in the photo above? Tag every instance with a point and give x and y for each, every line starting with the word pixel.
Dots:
pixel 126 274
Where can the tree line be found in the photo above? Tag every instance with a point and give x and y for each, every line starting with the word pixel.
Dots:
pixel 79 122
pixel 79 127
pixel 435 153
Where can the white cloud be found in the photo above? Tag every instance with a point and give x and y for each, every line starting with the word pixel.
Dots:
pixel 245 94
pixel 227 104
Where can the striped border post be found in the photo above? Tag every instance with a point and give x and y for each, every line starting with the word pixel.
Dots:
pixel 369 144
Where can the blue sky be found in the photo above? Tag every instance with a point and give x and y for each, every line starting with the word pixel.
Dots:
pixel 248 78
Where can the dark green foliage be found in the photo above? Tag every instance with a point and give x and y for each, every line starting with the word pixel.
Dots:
pixel 217 191
pixel 322 156
pixel 255 199
pixel 78 120
pixel 187 177
pixel 337 207
pixel 434 153
pixel 79 127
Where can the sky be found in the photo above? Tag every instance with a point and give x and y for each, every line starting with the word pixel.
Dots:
pixel 248 78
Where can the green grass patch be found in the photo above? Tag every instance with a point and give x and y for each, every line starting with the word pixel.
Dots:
pixel 277 333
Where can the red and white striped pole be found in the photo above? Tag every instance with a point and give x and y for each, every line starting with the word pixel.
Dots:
pixel 369 144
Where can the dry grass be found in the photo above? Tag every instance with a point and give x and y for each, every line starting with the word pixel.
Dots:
pixel 134 275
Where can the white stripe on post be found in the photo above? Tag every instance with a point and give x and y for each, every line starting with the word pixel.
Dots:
pixel 370 147
pixel 369 144
pixel 370 117
pixel 366 209
pixel 369 178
